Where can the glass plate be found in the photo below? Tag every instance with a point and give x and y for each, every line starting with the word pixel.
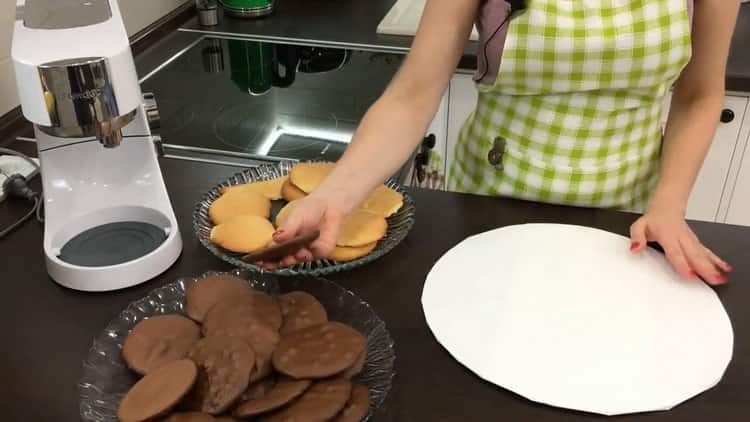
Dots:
pixel 106 379
pixel 399 225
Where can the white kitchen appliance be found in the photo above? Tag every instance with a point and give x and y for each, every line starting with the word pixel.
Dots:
pixel 109 222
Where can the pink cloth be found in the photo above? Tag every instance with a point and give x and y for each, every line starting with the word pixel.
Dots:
pixel 493 29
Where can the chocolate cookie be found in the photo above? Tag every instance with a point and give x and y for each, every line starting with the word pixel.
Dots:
pixel 224 364
pixel 357 406
pixel 356 368
pixel 300 310
pixel 251 305
pixel 208 291
pixel 257 389
pixel 318 351
pixel 158 340
pixel 259 335
pixel 321 402
pixel 282 393
pixel 156 393
pixel 190 417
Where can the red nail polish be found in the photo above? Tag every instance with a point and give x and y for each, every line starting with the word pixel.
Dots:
pixel 720 278
pixel 634 245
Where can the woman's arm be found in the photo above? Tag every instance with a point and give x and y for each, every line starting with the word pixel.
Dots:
pixel 694 114
pixel 395 124
pixel 391 128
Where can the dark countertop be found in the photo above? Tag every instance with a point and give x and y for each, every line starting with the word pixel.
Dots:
pixel 48 329
pixel 353 23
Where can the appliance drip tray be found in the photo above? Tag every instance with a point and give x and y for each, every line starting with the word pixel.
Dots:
pixel 112 244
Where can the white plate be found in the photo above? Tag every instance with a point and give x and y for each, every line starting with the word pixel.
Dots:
pixel 567 316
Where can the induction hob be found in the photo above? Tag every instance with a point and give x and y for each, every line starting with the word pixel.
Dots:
pixel 245 102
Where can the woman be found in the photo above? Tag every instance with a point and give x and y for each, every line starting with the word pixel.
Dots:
pixel 570 95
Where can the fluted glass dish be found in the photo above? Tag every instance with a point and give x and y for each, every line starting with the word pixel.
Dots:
pixel 106 378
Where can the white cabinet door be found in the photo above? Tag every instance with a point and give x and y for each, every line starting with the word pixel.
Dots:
pixel 709 186
pixel 738 193
pixel 739 207
pixel 433 175
pixel 463 100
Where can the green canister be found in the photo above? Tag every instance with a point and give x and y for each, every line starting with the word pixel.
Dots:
pixel 247 8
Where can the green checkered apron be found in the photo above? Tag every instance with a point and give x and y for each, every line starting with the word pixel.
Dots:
pixel 574 115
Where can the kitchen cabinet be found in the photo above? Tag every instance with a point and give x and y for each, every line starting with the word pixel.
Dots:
pixel 429 162
pixel 709 188
pixel 737 193
pixel 457 104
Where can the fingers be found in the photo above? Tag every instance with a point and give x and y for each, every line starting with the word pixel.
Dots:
pixel 290 228
pixel 720 263
pixel 329 234
pixel 700 261
pixel 676 257
pixel 303 255
pixel 638 237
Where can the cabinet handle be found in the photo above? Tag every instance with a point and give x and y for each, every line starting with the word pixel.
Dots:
pixel 727 115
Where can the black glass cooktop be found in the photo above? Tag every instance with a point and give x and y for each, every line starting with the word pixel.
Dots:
pixel 267 101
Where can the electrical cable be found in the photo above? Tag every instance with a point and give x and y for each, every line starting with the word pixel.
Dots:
pixel 20 154
pixel 23 219
pixel 514 8
pixel 16 187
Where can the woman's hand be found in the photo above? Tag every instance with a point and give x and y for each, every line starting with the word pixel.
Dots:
pixel 322 212
pixel 686 254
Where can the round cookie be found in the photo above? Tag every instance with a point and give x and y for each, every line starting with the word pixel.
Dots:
pixel 243 234
pixel 383 201
pixel 208 291
pixel 225 364
pixel 253 305
pixel 190 417
pixel 159 340
pixel 350 253
pixel 271 189
pixel 284 213
pixel 307 176
pixel 239 202
pixel 361 228
pixel 357 406
pixel 158 392
pixel 321 402
pixel 300 310
pixel 282 393
pixel 259 335
pixel 258 389
pixel 357 367
pixel 318 351
pixel 290 192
